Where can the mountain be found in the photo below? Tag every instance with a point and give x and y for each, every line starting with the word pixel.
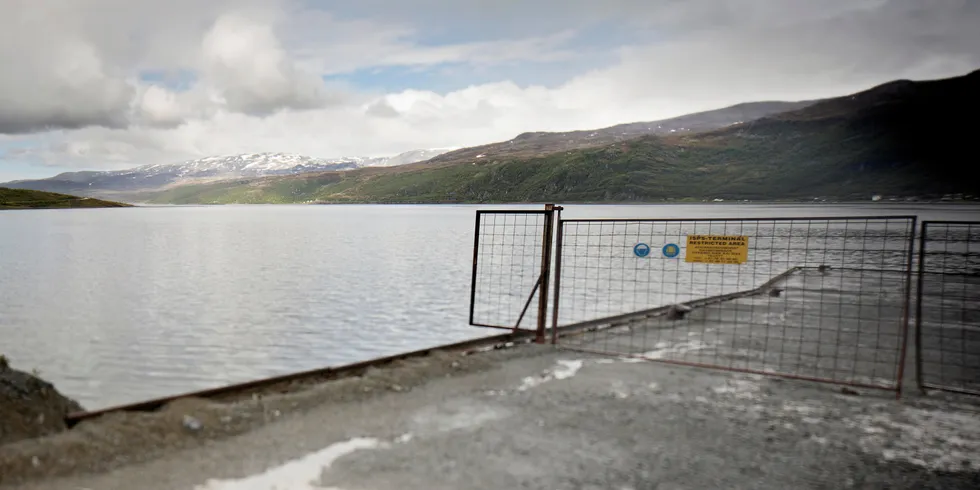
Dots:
pixel 29 199
pixel 210 169
pixel 535 144
pixel 406 158
pixel 902 139
pixel 134 183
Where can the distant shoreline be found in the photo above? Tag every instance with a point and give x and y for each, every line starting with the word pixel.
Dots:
pixel 572 203
pixel 25 199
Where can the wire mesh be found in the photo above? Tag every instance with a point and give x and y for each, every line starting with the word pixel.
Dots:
pixel 948 306
pixel 507 269
pixel 815 298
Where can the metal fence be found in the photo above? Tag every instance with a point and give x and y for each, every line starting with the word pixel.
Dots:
pixel 511 268
pixel 823 299
pixel 948 307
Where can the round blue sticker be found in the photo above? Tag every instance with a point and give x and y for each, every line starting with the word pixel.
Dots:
pixel 641 249
pixel 671 250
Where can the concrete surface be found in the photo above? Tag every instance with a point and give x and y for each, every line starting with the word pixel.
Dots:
pixel 844 326
pixel 564 420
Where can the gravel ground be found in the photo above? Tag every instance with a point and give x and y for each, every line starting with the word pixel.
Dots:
pixel 121 439
pixel 527 417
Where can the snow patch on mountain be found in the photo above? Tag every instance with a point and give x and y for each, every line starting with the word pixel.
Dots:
pixel 262 164
pixel 246 165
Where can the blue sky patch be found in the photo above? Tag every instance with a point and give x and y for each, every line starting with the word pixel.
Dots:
pixel 178 80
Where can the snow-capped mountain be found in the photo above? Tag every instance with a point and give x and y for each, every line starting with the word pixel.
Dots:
pixel 245 165
pixel 263 164
pixel 155 176
pixel 407 157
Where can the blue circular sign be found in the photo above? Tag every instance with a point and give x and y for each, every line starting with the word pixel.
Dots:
pixel 671 250
pixel 641 249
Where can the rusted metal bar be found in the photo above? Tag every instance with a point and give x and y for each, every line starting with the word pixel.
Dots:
pixel 320 374
pixel 905 310
pixel 920 282
pixel 739 370
pixel 782 218
pixel 554 308
pixel 527 304
pixel 499 327
pixel 543 279
pixel 476 256
pixel 960 391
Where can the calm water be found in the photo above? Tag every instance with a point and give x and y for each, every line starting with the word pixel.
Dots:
pixel 120 305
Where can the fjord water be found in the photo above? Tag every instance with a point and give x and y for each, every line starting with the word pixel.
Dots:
pixel 120 305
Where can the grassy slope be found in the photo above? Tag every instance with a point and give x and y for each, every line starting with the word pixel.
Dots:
pixel 28 199
pixel 903 139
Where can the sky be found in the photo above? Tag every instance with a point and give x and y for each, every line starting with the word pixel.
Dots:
pixel 113 84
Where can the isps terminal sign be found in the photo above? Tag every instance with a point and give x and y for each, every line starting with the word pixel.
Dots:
pixel 717 249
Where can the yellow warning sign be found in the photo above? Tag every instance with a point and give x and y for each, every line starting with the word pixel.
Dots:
pixel 717 249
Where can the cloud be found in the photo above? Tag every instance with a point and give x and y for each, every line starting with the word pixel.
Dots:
pixel 72 64
pixel 381 108
pixel 62 82
pixel 324 44
pixel 257 68
pixel 246 64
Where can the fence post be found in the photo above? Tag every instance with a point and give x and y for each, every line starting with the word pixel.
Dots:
pixel 554 307
pixel 476 256
pixel 549 220
pixel 906 307
pixel 920 283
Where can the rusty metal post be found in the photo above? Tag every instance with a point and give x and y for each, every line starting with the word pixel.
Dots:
pixel 549 221
pixel 554 308
pixel 905 308
pixel 476 256
pixel 920 283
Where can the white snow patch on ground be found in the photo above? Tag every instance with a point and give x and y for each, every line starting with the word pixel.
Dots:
pixel 934 439
pixel 664 350
pixel 562 370
pixel 457 417
pixel 620 390
pixel 867 380
pixel 739 388
pixel 802 408
pixel 632 360
pixel 299 474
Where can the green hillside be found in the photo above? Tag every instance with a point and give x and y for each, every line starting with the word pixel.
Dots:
pixel 900 139
pixel 28 199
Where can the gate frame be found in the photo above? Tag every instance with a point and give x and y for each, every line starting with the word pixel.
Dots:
pixel 541 285
pixel 920 280
pixel 619 319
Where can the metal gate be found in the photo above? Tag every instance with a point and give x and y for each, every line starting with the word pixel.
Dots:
pixel 947 321
pixel 511 266
pixel 823 299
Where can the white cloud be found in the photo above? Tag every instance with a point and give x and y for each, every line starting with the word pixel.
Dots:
pixel 322 43
pixel 245 62
pixel 258 68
